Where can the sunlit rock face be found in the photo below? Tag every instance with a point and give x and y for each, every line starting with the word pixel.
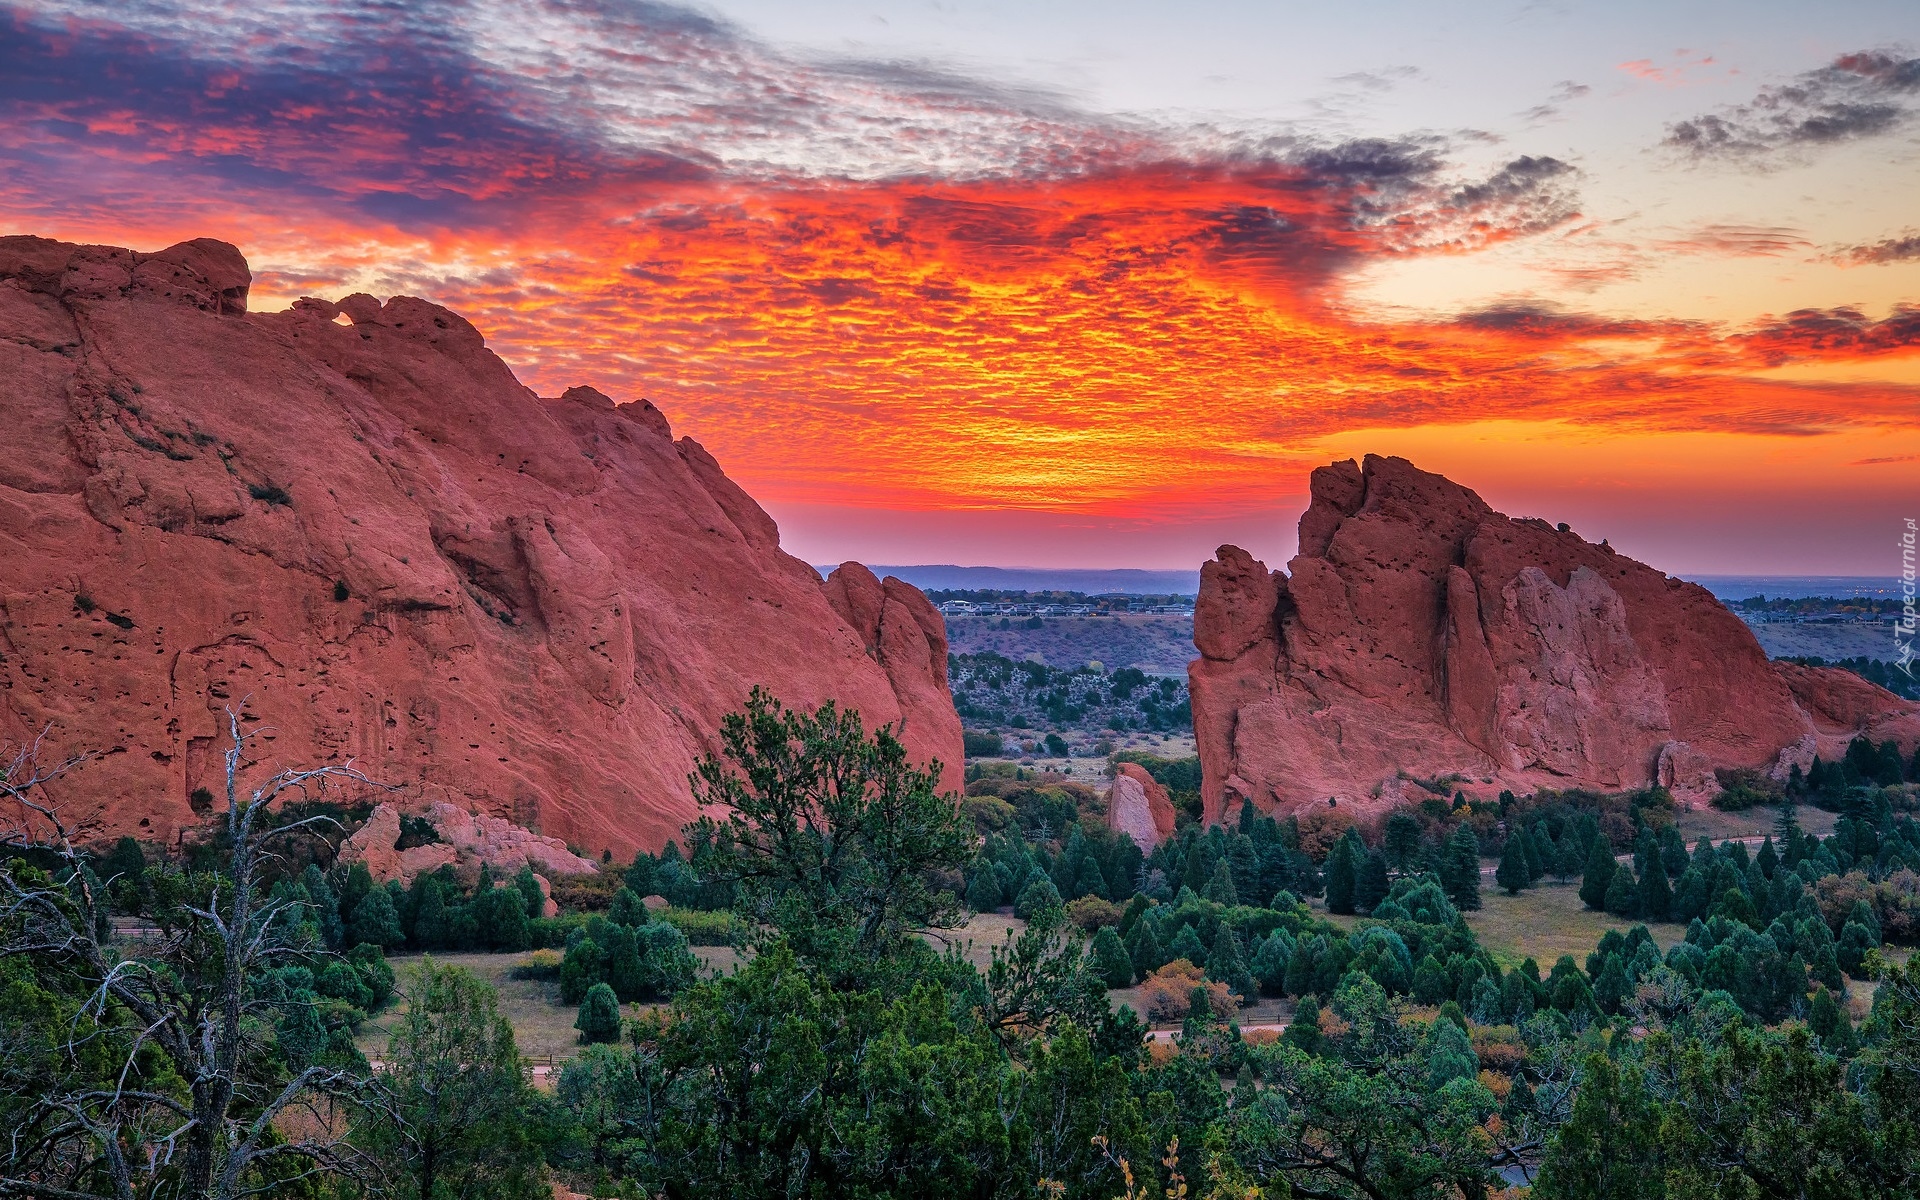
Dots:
pixel 1419 631
pixel 351 522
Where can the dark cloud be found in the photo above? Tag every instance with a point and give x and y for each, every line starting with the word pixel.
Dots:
pixel 1536 321
pixel 1832 333
pixel 1855 96
pixel 1905 248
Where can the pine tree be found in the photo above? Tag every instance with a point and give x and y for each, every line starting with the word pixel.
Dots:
pixel 1110 961
pixel 1143 948
pixel 1187 945
pixel 1374 883
pixel 1220 888
pixel 1656 897
pixel 1829 1023
pixel 1513 873
pixel 1401 842
pixel 326 906
pixel 1303 1032
pixel 599 1017
pixel 1599 874
pixel 628 909
pixel 1342 878
pixel 530 893
pixel 623 963
pixel 375 921
pixel 1226 964
pixel 983 893
pixel 1460 869
pixel 1623 894
pixel 1768 858
pixel 1269 965
pixel 1089 881
pixel 429 914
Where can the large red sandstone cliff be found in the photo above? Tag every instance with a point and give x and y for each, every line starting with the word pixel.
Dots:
pixel 1418 630
pixel 354 519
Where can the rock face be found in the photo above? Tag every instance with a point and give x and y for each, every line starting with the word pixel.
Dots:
pixel 350 520
pixel 1139 807
pixel 466 839
pixel 1418 630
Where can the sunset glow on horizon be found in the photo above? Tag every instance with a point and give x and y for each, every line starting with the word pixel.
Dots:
pixel 908 308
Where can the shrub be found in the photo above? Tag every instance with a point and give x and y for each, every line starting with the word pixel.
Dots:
pixel 705 928
pixel 977 744
pixel 1092 914
pixel 599 1018
pixel 271 493
pixel 1166 991
pixel 541 964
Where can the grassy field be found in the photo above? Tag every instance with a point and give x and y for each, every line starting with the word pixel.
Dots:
pixel 542 1026
pixel 1748 823
pixel 1543 922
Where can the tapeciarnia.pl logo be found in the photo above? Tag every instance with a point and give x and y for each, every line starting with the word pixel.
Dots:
pixel 1903 629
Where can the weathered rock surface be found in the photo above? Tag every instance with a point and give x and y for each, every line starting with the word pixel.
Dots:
pixel 350 520
pixel 1418 630
pixel 466 839
pixel 1139 807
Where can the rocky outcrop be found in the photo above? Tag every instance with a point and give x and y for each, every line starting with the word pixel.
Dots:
pixel 349 521
pixel 904 633
pixel 1419 631
pixel 1139 807
pixel 466 840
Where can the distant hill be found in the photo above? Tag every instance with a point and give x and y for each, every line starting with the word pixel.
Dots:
pixel 1041 579
pixel 1791 587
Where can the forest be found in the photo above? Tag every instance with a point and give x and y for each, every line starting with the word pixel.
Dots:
pixel 182 1026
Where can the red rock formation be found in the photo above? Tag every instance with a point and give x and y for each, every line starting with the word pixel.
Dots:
pixel 1418 630
pixel 1139 807
pixel 353 521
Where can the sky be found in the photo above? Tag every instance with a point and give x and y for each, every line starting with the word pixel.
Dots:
pixel 1074 284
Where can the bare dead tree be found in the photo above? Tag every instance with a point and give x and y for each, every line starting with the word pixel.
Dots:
pixel 166 1085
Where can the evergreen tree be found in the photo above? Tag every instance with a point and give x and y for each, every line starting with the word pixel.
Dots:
pixel 326 907
pixel 628 909
pixel 983 891
pixel 1269 965
pixel 1540 855
pixel 1401 843
pixel 375 922
pixel 1768 859
pixel 584 966
pixel 1460 869
pixel 599 1018
pixel 1430 982
pixel 1623 894
pixel 1144 949
pixel 1089 881
pixel 1342 877
pixel 1373 884
pixel 1303 1032
pixel 1830 1023
pixel 1599 874
pixel 501 914
pixel 1226 964
pixel 429 914
pixel 1449 1055
pixel 1220 887
pixel 1187 945
pixel 1036 897
pixel 530 893
pixel 1513 872
pixel 1110 961
pixel 1656 897
pixel 623 963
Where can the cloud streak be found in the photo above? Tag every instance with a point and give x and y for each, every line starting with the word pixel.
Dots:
pixel 1859 95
